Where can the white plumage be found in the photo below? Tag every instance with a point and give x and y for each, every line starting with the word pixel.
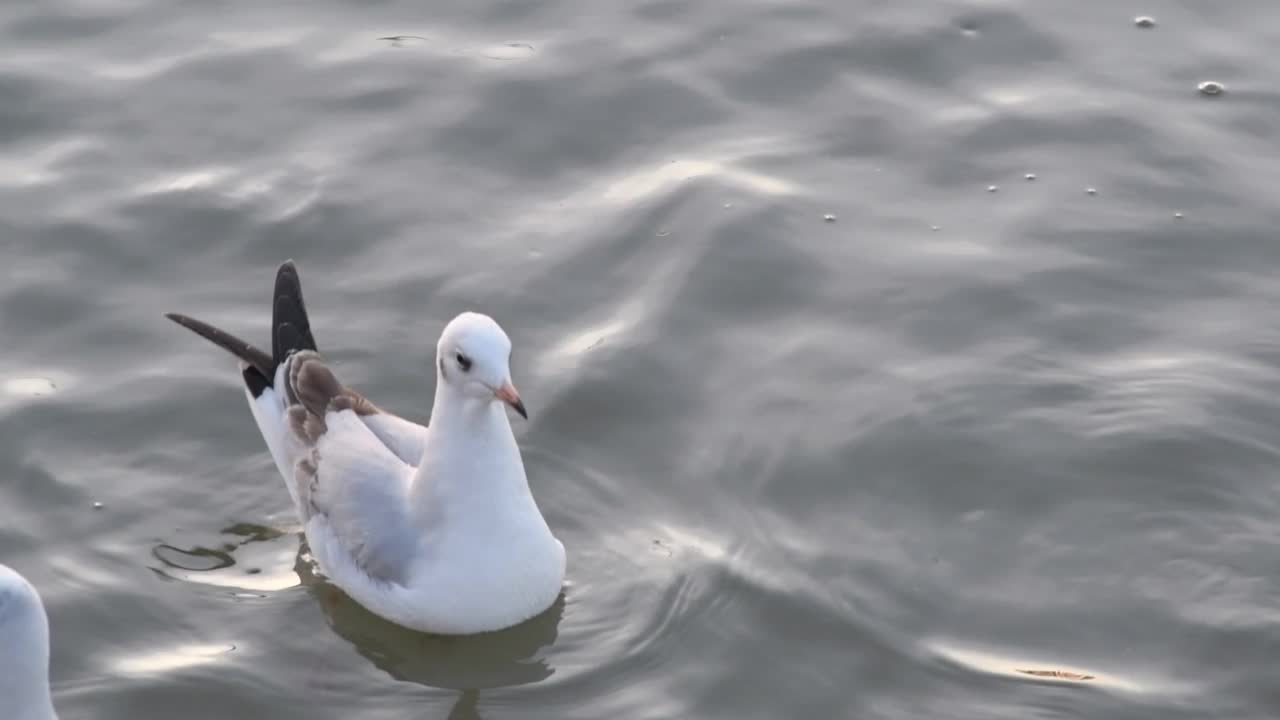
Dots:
pixel 24 651
pixel 432 527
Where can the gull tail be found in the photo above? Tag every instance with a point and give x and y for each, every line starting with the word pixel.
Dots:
pixel 266 374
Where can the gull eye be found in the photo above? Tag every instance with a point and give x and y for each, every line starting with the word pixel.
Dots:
pixel 464 362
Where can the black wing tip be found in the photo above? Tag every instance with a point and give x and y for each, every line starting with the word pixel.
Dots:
pixel 287 278
pixel 247 353
pixel 291 331
pixel 287 274
pixel 291 328
pixel 187 322
pixel 255 381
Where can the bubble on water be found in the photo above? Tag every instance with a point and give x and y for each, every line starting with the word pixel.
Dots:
pixel 1177 216
pixel 1029 176
pixel 97 505
pixel 1144 21
pixel 1212 88
pixel 993 188
pixel 1091 191
pixel 829 217
pixel 934 228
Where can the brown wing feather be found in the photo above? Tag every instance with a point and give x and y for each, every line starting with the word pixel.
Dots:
pixel 313 385
pixel 313 390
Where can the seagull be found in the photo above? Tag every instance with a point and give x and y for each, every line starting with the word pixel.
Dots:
pixel 24 650
pixel 432 527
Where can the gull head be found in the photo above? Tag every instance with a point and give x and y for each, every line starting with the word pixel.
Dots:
pixel 474 357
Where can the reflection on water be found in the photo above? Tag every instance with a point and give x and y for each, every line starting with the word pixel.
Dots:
pixel 171 659
pixel 507 658
pixel 260 559
pixel 465 709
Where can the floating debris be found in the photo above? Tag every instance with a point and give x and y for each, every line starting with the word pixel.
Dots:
pixel 829 217
pixel 402 40
pixel 1057 674
pixel 1212 88
pixel 1029 177
pixel 934 228
pixel 97 505
pixel 1144 21
pixel 1177 216
pixel 1091 191
pixel 1026 669
pixel 992 188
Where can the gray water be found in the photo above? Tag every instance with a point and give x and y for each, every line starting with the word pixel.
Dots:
pixel 874 466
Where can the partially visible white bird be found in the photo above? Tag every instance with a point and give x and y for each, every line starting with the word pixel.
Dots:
pixel 431 527
pixel 24 651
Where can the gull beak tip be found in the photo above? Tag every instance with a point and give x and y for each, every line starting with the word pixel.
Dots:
pixel 507 394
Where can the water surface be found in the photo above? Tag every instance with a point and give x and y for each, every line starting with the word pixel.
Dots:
pixel 953 453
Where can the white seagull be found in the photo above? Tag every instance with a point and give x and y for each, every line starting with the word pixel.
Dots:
pixel 431 527
pixel 24 650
